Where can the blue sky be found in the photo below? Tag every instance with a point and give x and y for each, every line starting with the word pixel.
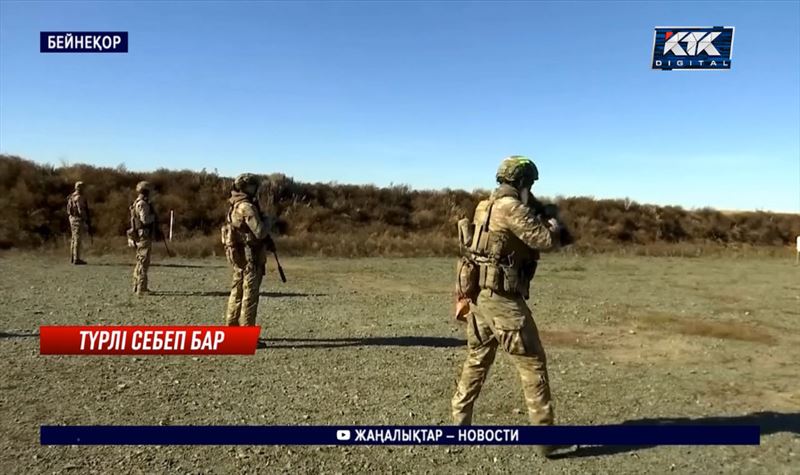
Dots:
pixel 429 94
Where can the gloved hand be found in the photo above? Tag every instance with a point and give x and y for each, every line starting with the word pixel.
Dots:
pixel 462 309
pixel 554 225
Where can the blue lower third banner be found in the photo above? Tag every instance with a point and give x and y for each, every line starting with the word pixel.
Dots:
pixel 402 435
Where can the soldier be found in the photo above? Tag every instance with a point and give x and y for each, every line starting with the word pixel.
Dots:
pixel 79 219
pixel 246 238
pixel 144 226
pixel 503 251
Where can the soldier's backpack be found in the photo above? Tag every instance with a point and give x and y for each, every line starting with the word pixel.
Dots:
pixel 230 237
pixel 131 233
pixel 467 282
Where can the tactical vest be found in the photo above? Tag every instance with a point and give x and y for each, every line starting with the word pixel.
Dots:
pixel 138 229
pixel 237 234
pixel 494 260
pixel 74 206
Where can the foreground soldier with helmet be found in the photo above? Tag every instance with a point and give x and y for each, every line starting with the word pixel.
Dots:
pixel 80 220
pixel 500 250
pixel 144 227
pixel 246 238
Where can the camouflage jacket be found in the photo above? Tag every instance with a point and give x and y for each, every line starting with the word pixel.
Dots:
pixel 77 206
pixel 506 241
pixel 245 219
pixel 143 217
pixel 514 220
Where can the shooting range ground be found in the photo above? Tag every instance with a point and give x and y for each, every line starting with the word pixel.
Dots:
pixel 371 341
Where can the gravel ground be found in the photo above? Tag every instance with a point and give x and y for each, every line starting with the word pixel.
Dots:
pixel 370 341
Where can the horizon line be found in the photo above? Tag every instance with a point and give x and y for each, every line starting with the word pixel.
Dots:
pixel 122 167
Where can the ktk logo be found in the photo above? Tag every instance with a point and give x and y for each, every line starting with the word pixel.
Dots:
pixel 695 48
pixel 696 43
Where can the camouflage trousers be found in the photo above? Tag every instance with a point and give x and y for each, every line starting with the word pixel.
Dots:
pixel 77 227
pixel 248 271
pixel 142 265
pixel 506 322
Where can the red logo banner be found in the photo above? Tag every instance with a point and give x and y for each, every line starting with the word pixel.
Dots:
pixel 148 340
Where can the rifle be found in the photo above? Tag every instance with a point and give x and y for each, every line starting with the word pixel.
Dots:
pixel 548 211
pixel 89 226
pixel 269 243
pixel 280 269
pixel 159 231
pixel 90 232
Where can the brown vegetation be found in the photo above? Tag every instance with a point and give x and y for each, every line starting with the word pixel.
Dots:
pixel 350 220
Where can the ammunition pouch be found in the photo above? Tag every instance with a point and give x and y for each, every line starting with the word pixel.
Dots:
pixel 229 236
pixel 467 271
pixel 493 260
pixel 467 283
pixel 507 279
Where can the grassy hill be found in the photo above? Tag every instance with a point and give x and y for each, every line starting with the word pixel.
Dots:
pixel 349 220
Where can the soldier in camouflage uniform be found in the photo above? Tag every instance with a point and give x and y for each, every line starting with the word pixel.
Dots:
pixel 144 226
pixel 246 238
pixel 504 250
pixel 79 221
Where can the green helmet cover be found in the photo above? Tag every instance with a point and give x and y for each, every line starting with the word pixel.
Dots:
pixel 518 171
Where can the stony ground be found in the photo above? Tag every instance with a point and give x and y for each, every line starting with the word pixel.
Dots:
pixel 370 341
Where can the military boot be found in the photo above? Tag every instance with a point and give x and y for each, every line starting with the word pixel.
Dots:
pixel 555 451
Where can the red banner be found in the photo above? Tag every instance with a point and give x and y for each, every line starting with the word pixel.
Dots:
pixel 148 340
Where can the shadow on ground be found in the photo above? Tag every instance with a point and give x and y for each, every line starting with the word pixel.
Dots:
pixel 175 266
pixel 225 293
pixel 18 335
pixel 770 423
pixel 408 341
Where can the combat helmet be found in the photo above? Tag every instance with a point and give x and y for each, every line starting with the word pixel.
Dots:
pixel 245 181
pixel 144 187
pixel 517 171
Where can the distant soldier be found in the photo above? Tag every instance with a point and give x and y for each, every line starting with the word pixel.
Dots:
pixel 80 220
pixel 502 251
pixel 246 238
pixel 144 226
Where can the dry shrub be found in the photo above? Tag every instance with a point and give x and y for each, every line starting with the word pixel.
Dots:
pixel 356 220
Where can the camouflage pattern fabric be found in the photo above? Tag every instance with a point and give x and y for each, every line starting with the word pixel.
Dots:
pixel 143 216
pixel 77 210
pixel 507 323
pixel 77 228
pixel 517 169
pixel 247 255
pixel 504 320
pixel 143 247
